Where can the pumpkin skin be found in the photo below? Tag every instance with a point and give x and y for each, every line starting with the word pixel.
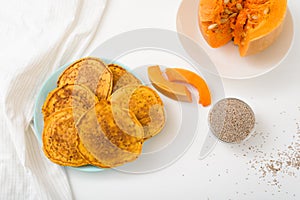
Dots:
pixel 253 25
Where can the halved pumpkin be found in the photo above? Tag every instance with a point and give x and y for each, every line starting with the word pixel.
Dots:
pixel 253 25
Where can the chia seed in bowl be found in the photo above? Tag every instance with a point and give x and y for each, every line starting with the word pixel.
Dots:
pixel 231 120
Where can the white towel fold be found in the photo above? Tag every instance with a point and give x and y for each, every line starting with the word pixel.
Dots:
pixel 36 37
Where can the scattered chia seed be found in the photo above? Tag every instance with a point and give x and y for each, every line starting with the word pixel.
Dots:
pixel 281 162
pixel 231 120
pixel 268 164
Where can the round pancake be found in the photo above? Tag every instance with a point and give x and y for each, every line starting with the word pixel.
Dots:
pixel 91 72
pixel 121 77
pixel 76 96
pixel 111 135
pixel 60 139
pixel 145 103
pixel 89 157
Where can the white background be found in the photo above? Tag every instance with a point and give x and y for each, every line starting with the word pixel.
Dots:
pixel 225 174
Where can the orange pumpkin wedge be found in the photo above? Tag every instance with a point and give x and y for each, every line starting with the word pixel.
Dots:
pixel 186 76
pixel 253 25
pixel 172 90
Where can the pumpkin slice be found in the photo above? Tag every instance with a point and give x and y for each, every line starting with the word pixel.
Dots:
pixel 186 76
pixel 262 27
pixel 253 25
pixel 172 90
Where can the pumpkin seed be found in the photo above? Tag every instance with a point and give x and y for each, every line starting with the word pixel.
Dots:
pixel 223 20
pixel 226 1
pixel 255 17
pixel 266 11
pixel 227 11
pixel 212 26
pixel 239 6
pixel 232 15
pixel 225 16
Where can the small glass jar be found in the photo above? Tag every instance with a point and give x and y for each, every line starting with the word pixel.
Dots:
pixel 231 120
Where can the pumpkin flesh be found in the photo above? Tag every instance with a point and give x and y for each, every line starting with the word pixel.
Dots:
pixel 253 25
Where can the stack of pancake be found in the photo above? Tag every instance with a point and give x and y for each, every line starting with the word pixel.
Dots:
pixel 99 115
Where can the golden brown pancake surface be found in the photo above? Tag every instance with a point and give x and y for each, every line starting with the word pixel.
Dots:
pixel 145 103
pixel 91 72
pixel 111 135
pixel 76 96
pixel 121 77
pixel 60 139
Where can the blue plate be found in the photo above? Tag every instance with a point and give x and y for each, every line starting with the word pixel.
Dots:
pixel 48 86
pixel 184 121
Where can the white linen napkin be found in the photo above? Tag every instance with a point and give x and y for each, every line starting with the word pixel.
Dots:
pixel 36 37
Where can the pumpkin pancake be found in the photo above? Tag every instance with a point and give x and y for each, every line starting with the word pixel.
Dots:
pixel 112 136
pixel 91 72
pixel 121 77
pixel 60 139
pixel 89 157
pixel 76 96
pixel 145 103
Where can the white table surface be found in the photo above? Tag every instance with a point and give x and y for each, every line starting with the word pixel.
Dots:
pixel 226 173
